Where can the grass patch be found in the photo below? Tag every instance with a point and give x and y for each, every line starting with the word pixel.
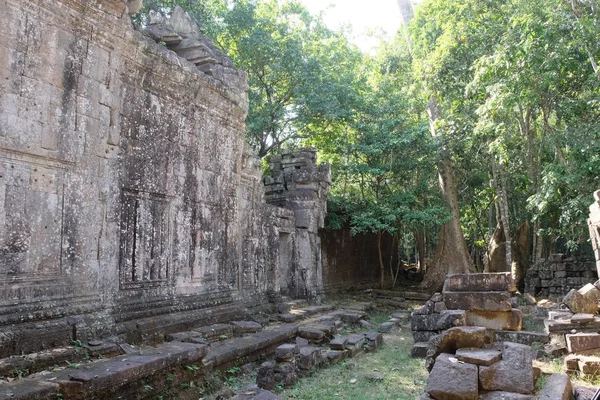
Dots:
pixel 404 378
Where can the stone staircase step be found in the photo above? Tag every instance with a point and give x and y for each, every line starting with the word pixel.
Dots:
pixel 35 362
pixel 247 349
pixel 29 389
pixel 91 380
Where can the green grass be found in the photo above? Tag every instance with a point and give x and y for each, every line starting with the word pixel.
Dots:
pixel 403 377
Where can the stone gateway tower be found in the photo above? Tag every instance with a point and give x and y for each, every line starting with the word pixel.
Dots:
pixel 129 203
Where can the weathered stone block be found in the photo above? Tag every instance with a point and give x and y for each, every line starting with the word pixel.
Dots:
pixel 558 387
pixel 522 337
pixel 452 380
pixel 498 320
pixel 308 358
pixel 334 356
pixel 584 300
pixel 419 350
pixel 501 281
pixel 479 356
pixel 513 373
pixel 582 318
pixel 374 340
pixel 355 344
pixel 566 326
pixel 285 352
pixel 311 334
pixel 582 341
pixel 571 362
pixel 452 339
pixel 488 301
pixel 438 322
pixel 338 343
pixel 589 365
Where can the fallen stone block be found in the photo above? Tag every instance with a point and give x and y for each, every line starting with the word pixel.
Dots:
pixel 558 387
pixel 584 300
pixel 438 322
pixel 487 301
pixel 582 318
pixel 559 314
pixel 451 379
pixel 479 356
pixel 571 362
pixel 562 326
pixel 513 373
pixel 497 320
pixel 582 341
pixel 453 339
pixel 523 337
pixel 589 365
pixel 501 281
pixel 584 393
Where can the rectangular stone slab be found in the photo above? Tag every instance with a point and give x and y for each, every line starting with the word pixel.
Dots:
pixel 501 281
pixel 489 301
pixel 566 326
pixel 479 356
pixel 582 341
pixel 497 320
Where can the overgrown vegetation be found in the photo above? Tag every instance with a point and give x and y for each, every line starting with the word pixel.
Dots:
pixel 500 99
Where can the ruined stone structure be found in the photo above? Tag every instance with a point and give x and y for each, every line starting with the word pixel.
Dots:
pixel 129 203
pixel 557 275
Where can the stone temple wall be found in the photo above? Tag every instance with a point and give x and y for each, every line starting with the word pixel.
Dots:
pixel 129 204
pixel 557 275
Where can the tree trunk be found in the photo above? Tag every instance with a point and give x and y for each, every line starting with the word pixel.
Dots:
pixel 452 255
pixel 381 266
pixel 500 184
pixel 421 251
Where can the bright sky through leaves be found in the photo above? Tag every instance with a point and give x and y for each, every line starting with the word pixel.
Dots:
pixel 372 16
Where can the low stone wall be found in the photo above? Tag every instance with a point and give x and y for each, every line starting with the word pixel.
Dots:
pixel 558 275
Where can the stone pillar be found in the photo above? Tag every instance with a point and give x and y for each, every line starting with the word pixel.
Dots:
pixel 594 225
pixel 299 184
